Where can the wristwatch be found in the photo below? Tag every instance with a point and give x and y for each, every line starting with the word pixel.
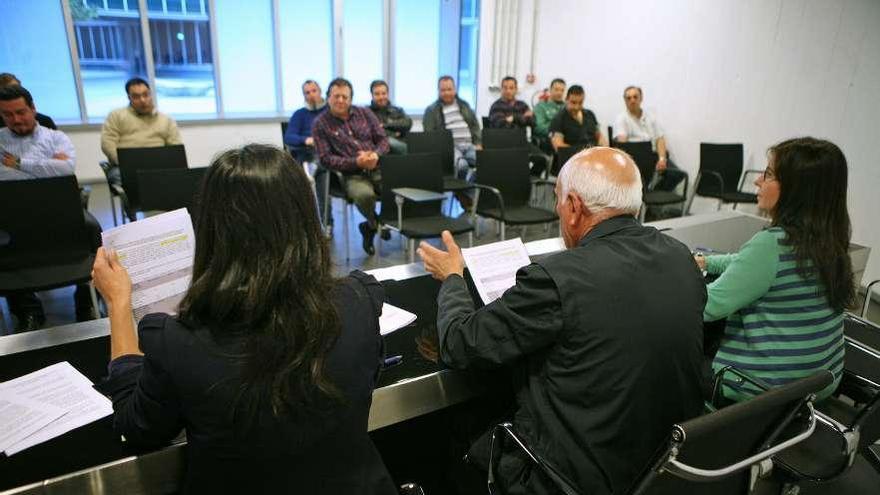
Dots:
pixel 704 269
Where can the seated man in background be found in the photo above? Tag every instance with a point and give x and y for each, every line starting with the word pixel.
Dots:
pixel 598 385
pixel 575 125
pixel 7 79
pixel 636 125
pixel 544 113
pixel 301 143
pixel 455 115
pixel 31 151
pixel 394 120
pixel 350 140
pixel 509 113
pixel 139 125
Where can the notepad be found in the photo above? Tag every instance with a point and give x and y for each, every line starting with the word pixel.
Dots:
pixel 493 266
pixel 394 318
pixel 53 400
pixel 158 253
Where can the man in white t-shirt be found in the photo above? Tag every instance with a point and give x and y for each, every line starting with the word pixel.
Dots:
pixel 637 125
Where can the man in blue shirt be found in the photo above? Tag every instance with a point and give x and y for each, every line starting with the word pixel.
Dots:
pixel 31 151
pixel 298 138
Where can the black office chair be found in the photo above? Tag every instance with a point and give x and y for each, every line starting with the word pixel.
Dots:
pixel 722 452
pixel 563 155
pixel 133 159
pixel 721 175
pixel 504 138
pixel 505 188
pixel 485 121
pixel 47 244
pixel 440 143
pixel 170 189
pixel 849 423
pixel 643 154
pixel 412 196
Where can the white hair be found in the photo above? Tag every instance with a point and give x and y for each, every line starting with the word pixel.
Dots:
pixel 598 192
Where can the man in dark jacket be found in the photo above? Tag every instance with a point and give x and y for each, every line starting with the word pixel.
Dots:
pixel 603 365
pixel 452 113
pixel 394 120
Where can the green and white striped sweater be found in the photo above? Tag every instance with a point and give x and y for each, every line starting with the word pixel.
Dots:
pixel 780 326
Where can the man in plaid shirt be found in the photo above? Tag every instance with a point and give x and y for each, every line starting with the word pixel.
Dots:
pixel 351 139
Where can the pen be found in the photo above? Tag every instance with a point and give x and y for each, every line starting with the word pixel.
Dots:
pixel 392 361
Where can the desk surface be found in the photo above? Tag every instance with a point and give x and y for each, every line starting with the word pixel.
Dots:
pixel 94 456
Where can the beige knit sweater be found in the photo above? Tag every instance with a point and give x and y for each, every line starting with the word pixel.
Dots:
pixel 125 128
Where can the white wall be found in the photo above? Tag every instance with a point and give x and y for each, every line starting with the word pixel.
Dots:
pixel 752 71
pixel 202 142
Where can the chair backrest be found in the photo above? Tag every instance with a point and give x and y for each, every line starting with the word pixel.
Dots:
pixel 508 171
pixel 563 155
pixel 611 136
pixel 416 170
pixel 641 153
pixel 170 188
pixel 437 142
pixel 727 442
pixel 485 121
pixel 723 159
pixel 133 159
pixel 44 221
pixel 504 138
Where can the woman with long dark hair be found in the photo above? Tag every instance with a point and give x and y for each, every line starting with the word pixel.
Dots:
pixel 271 362
pixel 785 291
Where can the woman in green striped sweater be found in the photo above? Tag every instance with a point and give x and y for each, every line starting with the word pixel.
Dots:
pixel 785 291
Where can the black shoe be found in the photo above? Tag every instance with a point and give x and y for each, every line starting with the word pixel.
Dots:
pixel 30 322
pixel 368 233
pixel 385 234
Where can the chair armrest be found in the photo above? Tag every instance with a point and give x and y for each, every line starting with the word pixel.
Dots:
pixel 418 195
pixel 495 449
pixel 719 380
pixel 711 173
pixel 493 190
pixel 867 300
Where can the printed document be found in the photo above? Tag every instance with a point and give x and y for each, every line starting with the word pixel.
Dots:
pixel 59 386
pixel 158 254
pixel 394 318
pixel 493 266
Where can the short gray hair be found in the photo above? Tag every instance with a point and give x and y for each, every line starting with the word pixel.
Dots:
pixel 597 190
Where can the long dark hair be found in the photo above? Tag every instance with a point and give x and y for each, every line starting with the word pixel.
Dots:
pixel 812 175
pixel 262 273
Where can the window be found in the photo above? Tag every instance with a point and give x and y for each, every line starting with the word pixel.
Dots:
pixel 306 47
pixel 34 47
pixel 362 25
pixel 469 40
pixel 180 35
pixel 246 56
pixel 110 47
pixel 417 53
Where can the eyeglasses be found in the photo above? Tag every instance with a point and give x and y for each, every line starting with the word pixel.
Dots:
pixel 768 174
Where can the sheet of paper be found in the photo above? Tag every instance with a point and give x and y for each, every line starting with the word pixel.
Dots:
pixel 158 254
pixel 394 318
pixel 21 417
pixel 493 266
pixel 60 386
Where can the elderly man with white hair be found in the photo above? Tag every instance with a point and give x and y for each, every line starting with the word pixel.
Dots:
pixel 604 338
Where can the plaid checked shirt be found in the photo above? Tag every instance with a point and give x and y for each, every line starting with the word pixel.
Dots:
pixel 338 141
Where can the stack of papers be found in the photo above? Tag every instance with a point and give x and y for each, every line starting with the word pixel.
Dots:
pixel 493 266
pixel 394 318
pixel 45 404
pixel 158 253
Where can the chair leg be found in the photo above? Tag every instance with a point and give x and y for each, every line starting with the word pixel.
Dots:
pixel 719 205
pixel 471 239
pixel 642 212
pixel 345 209
pixel 735 205
pixel 681 208
pixel 95 311
pixel 524 230
pixel 502 230
pixel 113 209
pixel 411 250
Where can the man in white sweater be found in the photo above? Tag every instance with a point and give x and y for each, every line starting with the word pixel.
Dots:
pixel 139 125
